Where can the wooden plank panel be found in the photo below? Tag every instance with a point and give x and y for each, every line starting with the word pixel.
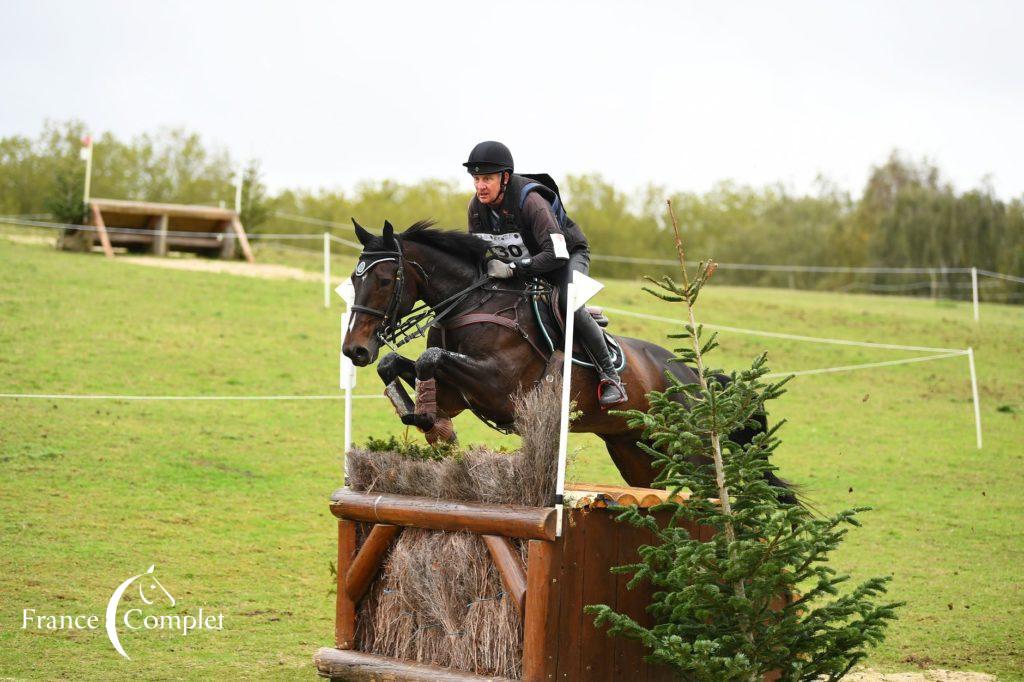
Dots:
pixel 570 603
pixel 540 641
pixel 598 588
pixel 122 239
pixel 534 523
pixel 628 653
pixel 345 608
pixel 148 208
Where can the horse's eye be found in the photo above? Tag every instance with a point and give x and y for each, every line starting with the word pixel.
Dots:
pixel 384 281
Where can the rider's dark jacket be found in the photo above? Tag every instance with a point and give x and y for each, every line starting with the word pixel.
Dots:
pixel 527 229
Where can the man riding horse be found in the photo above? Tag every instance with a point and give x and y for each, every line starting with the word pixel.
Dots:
pixel 490 338
pixel 530 235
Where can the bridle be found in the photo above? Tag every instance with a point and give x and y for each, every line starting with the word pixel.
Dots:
pixel 395 332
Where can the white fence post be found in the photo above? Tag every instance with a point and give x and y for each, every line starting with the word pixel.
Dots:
pixel 974 396
pixel 347 381
pixel 327 270
pixel 974 289
pixel 346 370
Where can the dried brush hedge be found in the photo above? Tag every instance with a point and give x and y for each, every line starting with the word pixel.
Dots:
pixel 439 599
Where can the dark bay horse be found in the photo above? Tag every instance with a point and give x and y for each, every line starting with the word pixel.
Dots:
pixel 474 361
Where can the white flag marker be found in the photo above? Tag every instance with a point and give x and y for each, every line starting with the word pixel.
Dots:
pixel 580 290
pixel 347 291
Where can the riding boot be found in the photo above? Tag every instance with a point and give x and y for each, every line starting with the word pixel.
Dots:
pixel 610 391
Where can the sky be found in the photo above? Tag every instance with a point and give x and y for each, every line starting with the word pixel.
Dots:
pixel 681 94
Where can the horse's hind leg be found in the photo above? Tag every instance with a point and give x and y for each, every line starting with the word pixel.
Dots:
pixel 633 463
pixel 454 369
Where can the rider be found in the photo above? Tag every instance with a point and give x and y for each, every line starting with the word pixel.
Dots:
pixel 532 236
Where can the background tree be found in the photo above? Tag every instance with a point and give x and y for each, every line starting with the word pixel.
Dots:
pixel 257 207
pixel 907 215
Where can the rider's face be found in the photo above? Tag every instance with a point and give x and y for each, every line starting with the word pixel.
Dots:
pixel 488 187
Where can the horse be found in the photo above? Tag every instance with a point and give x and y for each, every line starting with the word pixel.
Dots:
pixel 483 346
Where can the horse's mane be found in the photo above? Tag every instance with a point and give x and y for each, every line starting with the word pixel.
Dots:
pixel 460 244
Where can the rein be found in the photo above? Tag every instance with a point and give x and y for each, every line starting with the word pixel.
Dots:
pixel 395 332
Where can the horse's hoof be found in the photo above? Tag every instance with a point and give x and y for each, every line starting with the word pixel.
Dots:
pixel 386 367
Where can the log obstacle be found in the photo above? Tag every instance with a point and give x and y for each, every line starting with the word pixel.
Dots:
pixel 142 226
pixel 561 576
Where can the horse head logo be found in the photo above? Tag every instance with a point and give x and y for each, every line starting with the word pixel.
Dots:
pixel 150 590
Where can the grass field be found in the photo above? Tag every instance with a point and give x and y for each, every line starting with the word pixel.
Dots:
pixel 228 499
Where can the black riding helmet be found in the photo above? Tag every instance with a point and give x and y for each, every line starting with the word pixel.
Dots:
pixel 489 157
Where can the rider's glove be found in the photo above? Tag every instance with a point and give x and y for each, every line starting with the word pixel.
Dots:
pixel 499 270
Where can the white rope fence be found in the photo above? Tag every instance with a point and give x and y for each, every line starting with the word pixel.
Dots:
pixel 790 337
pixel 72 396
pixel 937 354
pixel 31 222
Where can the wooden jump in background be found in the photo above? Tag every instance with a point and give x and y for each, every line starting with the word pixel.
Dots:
pixel 142 226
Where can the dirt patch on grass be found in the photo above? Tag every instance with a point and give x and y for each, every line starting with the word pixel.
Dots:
pixel 230 267
pixel 937 675
pixel 30 239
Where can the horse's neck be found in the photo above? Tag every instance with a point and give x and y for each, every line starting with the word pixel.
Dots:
pixel 446 276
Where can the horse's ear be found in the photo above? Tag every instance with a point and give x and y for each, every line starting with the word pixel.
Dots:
pixel 362 234
pixel 389 234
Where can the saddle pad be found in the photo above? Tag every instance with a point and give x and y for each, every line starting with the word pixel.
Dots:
pixel 555 333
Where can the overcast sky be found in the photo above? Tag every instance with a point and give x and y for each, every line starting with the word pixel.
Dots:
pixel 683 94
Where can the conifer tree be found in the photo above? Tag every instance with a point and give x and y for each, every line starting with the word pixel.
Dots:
pixel 760 596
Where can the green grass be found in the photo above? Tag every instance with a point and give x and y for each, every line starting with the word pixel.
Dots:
pixel 228 499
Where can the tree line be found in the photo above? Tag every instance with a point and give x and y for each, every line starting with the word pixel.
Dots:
pixel 908 214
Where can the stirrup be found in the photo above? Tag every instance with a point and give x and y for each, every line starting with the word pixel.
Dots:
pixel 615 383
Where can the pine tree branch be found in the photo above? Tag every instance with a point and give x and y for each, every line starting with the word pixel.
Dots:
pixel 716 445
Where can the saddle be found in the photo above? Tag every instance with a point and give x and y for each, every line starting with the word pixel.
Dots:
pixel 554 331
pixel 550 322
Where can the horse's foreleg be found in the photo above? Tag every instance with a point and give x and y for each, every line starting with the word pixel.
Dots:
pixel 394 366
pixel 391 368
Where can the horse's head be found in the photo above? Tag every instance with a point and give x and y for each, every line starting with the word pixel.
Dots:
pixel 385 292
pixel 150 588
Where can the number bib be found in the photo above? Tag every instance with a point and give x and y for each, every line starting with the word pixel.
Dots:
pixel 506 247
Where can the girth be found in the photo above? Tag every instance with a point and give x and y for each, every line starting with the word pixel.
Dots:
pixel 467 319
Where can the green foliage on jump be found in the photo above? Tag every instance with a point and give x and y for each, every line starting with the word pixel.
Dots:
pixel 413 449
pixel 760 595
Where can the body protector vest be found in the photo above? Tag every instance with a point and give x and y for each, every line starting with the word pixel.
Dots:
pixel 510 239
